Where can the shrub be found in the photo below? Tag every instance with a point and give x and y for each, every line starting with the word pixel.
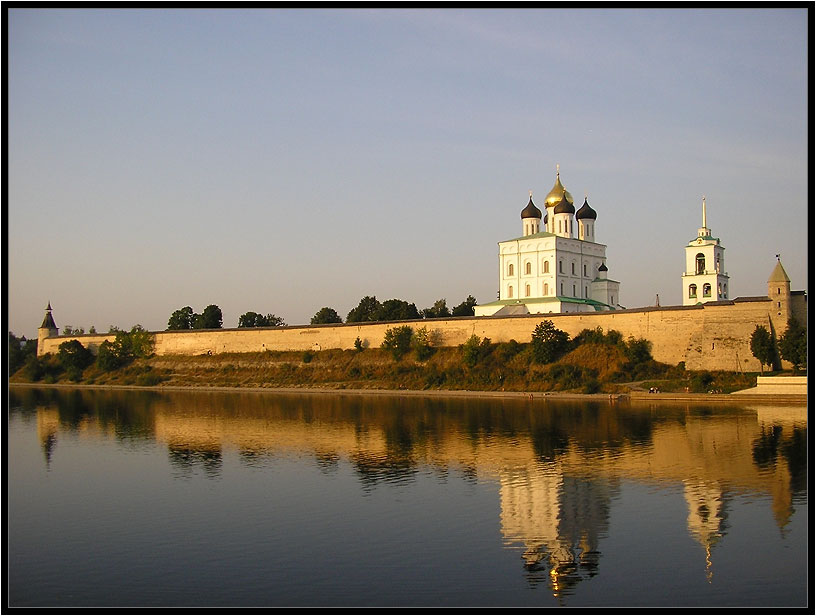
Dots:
pixel 358 344
pixel 74 358
pixel 475 350
pixel 505 351
pixel 793 344
pixel 397 340
pixel 148 379
pixel 701 381
pixel 421 342
pixel 307 357
pixel 591 385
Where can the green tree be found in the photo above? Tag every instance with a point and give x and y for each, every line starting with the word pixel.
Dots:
pixel 19 350
pixel 397 310
pixel 74 358
pixel 438 310
pixel 548 342
pixel 255 319
pixel 762 347
pixel 465 309
pixel 793 344
pixel 326 315
pixel 106 357
pixel 398 340
pixel 367 310
pixel 209 319
pixel 181 319
pixel 638 350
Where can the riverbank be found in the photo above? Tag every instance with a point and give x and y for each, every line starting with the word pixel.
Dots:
pixel 454 393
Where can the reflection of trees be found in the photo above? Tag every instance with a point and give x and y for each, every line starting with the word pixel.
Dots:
pixel 373 469
pixel 772 443
pixel 186 458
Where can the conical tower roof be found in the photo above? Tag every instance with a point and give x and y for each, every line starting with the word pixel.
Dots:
pixel 48 321
pixel 779 274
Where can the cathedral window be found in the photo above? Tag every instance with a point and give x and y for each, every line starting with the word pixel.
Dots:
pixel 562 288
pixel 706 290
pixel 546 267
pixel 510 270
pixel 546 289
pixel 510 291
pixel 700 263
pixel 528 268
pixel 586 292
pixel 584 270
pixel 561 267
pixel 527 290
pixel 573 268
pixel 692 290
pixel 573 291
pixel 613 300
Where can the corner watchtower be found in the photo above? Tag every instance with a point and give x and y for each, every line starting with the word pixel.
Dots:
pixel 780 293
pixel 48 329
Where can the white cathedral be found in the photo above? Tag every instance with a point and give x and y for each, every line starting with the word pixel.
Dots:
pixel 548 268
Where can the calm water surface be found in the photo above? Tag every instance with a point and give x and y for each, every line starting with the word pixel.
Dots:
pixel 130 498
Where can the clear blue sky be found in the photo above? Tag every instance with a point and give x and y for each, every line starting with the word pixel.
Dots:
pixel 284 160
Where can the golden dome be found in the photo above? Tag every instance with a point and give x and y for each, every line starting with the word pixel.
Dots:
pixel 558 191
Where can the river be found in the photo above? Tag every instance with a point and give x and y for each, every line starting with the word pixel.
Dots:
pixel 203 499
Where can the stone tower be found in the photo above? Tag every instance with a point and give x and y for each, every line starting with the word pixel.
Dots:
pixel 48 329
pixel 780 293
pixel 704 279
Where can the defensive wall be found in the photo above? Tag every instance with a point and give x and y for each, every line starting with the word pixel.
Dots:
pixel 711 336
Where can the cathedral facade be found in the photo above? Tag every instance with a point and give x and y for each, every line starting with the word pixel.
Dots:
pixel 555 265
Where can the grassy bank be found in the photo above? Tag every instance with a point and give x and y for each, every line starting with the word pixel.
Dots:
pixel 587 368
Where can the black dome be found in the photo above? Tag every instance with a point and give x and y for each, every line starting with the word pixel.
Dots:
pixel 603 268
pixel 586 212
pixel 564 206
pixel 531 211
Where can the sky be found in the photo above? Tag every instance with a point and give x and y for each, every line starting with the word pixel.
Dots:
pixel 279 161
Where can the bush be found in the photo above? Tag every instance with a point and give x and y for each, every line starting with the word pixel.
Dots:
pixel 397 340
pixel 701 381
pixel 307 357
pixel 149 379
pixel 358 344
pixel 475 350
pixel 505 351
pixel 33 369
pixel 421 342
pixel 591 385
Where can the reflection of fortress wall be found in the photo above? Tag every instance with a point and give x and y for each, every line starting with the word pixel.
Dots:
pixel 708 336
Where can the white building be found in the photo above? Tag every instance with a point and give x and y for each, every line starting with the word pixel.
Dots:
pixel 556 265
pixel 705 279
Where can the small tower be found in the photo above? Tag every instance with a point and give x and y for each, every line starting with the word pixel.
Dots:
pixel 704 279
pixel 530 218
pixel 604 289
pixel 563 214
pixel 48 329
pixel 586 217
pixel 780 293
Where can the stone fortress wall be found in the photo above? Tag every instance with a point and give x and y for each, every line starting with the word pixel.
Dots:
pixel 712 336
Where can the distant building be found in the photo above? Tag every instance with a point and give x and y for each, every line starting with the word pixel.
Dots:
pixel 556 265
pixel 704 279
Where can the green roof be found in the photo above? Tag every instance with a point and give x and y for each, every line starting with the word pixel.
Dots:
pixel 543 300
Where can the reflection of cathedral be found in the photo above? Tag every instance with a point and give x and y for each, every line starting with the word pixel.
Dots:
pixel 706 517
pixel 559 519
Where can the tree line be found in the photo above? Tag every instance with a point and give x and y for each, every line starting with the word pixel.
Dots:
pixel 791 346
pixel 368 309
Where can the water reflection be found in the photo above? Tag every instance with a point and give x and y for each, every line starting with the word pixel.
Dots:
pixel 558 466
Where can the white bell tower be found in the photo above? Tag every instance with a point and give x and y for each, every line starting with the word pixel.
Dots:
pixel 704 279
